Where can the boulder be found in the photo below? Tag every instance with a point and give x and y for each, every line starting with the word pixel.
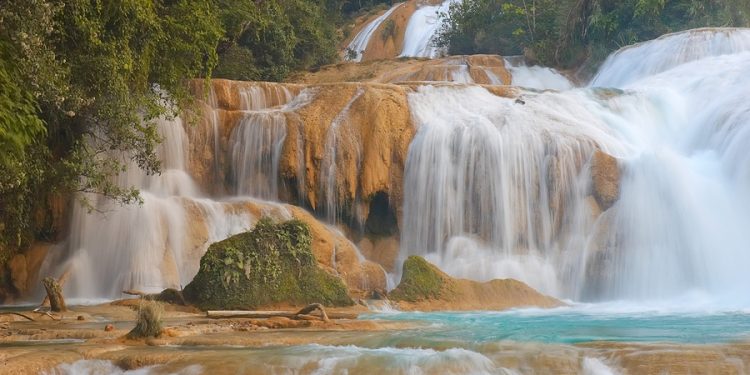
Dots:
pixel 424 287
pixel 605 178
pixel 272 264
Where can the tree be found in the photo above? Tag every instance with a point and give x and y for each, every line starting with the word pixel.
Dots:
pixel 82 82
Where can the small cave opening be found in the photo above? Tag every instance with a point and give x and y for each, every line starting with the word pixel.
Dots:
pixel 381 219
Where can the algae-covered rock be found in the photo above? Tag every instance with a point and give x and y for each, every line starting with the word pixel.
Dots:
pixel 272 264
pixel 420 280
pixel 424 287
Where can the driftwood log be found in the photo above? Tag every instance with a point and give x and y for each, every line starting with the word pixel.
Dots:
pixel 60 281
pixel 299 315
pixel 169 295
pixel 55 295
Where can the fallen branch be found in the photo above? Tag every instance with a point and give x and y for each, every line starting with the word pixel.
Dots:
pixel 19 314
pixel 47 313
pixel 168 295
pixel 312 307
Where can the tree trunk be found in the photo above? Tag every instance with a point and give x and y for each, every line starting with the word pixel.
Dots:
pixel 54 293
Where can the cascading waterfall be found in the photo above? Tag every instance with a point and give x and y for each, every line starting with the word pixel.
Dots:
pixel 493 187
pixel 506 187
pixel 340 131
pixel 256 151
pixel 681 221
pixel 492 173
pixel 535 77
pixel 421 30
pixel 257 142
pixel 642 60
pixel 362 39
pixel 154 245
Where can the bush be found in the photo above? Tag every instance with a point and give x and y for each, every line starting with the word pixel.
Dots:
pixel 148 322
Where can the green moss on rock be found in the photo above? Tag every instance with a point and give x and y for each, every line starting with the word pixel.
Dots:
pixel 420 281
pixel 271 264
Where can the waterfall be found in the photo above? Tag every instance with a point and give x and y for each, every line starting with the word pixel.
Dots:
pixel 257 142
pixel 681 221
pixel 362 39
pixel 498 187
pixel 421 30
pixel 494 184
pixel 341 131
pixel 642 60
pixel 256 152
pixel 156 244
pixel 535 77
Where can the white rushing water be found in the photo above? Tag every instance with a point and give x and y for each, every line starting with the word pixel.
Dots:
pixel 101 367
pixel 645 59
pixel 362 39
pixel 341 139
pixel 535 77
pixel 505 183
pixel 421 30
pixel 256 143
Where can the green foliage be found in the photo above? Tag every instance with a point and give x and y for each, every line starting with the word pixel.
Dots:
pixel 19 124
pixel 563 33
pixel 83 81
pixel 275 38
pixel 389 29
pixel 349 7
pixel 273 263
pixel 236 63
pixel 420 281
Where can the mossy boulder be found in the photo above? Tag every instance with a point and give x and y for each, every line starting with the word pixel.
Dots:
pixel 424 287
pixel 420 280
pixel 271 264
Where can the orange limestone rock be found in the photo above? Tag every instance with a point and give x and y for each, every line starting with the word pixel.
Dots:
pixel 388 40
pixel 337 255
pixel 362 130
pixel 605 175
pixel 480 69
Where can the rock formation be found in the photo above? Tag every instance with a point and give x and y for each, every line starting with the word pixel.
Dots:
pixel 424 287
pixel 479 69
pixel 605 177
pixel 272 264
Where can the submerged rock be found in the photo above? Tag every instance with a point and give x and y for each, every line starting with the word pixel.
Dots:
pixel 425 287
pixel 272 264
